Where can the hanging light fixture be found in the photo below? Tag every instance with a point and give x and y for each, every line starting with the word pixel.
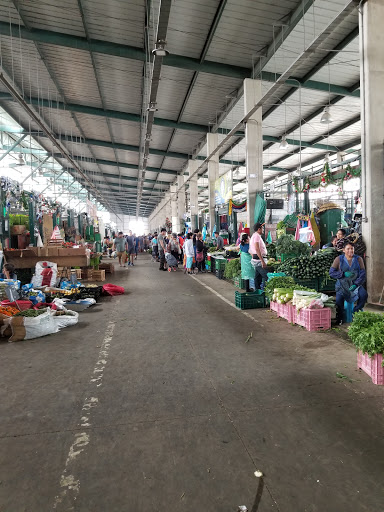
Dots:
pixel 283 144
pixel 326 117
pixel 326 158
pixel 152 107
pixel 160 50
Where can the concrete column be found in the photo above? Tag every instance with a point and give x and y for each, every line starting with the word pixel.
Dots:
pixel 181 207
pixel 213 175
pixel 174 218
pixel 254 146
pixel 372 93
pixel 193 193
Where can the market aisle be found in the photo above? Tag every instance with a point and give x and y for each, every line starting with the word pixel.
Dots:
pixel 185 410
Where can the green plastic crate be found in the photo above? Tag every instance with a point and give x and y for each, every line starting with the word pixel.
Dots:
pixel 327 284
pixel 309 283
pixel 250 300
pixel 220 264
pixel 239 283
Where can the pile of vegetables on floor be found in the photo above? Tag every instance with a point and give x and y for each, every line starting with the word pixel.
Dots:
pixel 367 332
pixel 308 267
pixel 284 290
pixel 286 244
pixel 232 269
pixel 31 313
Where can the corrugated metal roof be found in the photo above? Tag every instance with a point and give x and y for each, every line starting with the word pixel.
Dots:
pixel 23 64
pixel 160 137
pixel 246 28
pixel 344 69
pixel 189 25
pixel 125 132
pixel 73 72
pixel 173 87
pixel 208 97
pixel 57 16
pixel 118 21
pixel 8 12
pixel 121 82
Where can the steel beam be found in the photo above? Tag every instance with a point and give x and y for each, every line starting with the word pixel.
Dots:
pixel 321 137
pixel 118 50
pixel 11 148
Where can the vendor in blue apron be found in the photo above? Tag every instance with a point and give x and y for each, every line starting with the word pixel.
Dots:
pixel 349 270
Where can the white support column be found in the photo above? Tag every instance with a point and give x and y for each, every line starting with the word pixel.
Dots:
pixel 372 110
pixel 174 218
pixel 181 207
pixel 193 192
pixel 213 175
pixel 254 146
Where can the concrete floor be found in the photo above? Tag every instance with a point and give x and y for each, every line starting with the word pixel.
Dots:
pixel 154 402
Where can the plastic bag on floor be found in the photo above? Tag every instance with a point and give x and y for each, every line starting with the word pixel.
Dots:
pixel 65 318
pixel 113 289
pixel 28 328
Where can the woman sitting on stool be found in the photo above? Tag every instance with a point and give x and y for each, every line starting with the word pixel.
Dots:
pixel 349 270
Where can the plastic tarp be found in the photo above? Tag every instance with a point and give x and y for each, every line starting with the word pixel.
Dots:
pixel 260 209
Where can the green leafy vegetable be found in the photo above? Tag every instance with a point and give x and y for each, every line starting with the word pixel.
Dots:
pixel 367 332
pixel 286 244
pixel 232 268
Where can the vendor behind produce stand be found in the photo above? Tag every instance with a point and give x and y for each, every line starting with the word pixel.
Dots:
pixel 247 270
pixel 349 270
pixel 259 256
pixel 8 272
pixel 219 241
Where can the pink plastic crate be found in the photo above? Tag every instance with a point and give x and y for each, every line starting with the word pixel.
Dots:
pixel 274 306
pixel 372 366
pixel 314 319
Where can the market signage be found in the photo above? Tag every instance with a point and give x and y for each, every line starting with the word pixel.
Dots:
pixel 223 189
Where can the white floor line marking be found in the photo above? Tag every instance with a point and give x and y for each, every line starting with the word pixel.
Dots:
pixel 227 301
pixel 69 484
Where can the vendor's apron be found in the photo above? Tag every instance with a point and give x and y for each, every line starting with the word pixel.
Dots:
pixel 247 270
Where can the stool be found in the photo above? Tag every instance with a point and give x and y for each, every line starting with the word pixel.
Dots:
pixel 348 311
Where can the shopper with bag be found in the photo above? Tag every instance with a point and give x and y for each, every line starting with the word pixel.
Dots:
pixel 200 255
pixel 189 253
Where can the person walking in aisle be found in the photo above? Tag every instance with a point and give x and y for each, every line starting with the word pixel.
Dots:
pixel 137 245
pixel 189 253
pixel 154 243
pixel 200 255
pixel 130 248
pixel 181 243
pixel 120 246
pixel 174 246
pixel 162 248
